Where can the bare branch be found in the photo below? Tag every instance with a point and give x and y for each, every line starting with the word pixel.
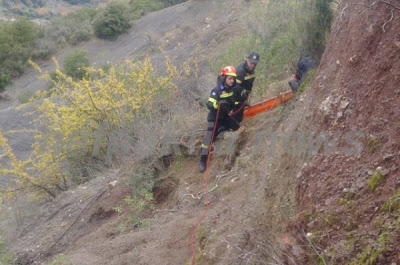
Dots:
pixel 314 247
pixel 379 1
pixel 76 218
pixel 342 12
pixel 200 195
pixel 391 18
pixel 390 4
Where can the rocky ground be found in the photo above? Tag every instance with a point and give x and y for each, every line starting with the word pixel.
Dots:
pixel 348 210
pixel 301 184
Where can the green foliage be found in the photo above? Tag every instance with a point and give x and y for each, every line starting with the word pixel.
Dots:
pixel 392 204
pixel 143 184
pixel 112 22
pixel 178 164
pixel 375 180
pixel 82 119
pixel 317 28
pixel 72 29
pixel 82 14
pixel 16 45
pixel 29 3
pixel 307 82
pixel 172 2
pixel 6 257
pixel 61 260
pixel 330 220
pixel 75 64
pixel 307 217
pixel 280 31
pixel 77 2
pixel 118 209
pixel 139 8
pixel 201 235
pixel 226 188
pixel 5 80
pixel 373 144
pixel 369 256
pixel 141 201
pixel 25 96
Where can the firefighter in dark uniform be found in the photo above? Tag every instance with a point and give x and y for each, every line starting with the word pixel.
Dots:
pixel 305 64
pixel 220 104
pixel 245 79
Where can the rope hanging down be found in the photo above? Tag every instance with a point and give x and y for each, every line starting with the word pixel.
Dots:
pixel 206 187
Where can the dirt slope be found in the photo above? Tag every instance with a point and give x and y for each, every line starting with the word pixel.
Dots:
pixel 82 224
pixel 251 203
pixel 356 94
pixel 306 165
pixel 191 28
pixel 178 30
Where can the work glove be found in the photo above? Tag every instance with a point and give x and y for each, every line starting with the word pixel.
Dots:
pixel 245 93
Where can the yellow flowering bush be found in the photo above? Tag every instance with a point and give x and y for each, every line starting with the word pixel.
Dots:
pixel 80 118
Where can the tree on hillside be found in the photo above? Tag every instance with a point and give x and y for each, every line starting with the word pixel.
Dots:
pixel 72 29
pixel 81 119
pixel 29 3
pixel 17 42
pixel 172 2
pixel 112 22
pixel 139 8
pixel 75 63
pixel 77 2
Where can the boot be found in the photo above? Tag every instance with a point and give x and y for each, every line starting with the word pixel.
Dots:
pixel 220 131
pixel 294 85
pixel 203 163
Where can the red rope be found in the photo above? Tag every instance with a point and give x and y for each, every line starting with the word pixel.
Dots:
pixel 206 188
pixel 238 110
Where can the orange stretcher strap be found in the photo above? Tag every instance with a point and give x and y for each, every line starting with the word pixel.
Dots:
pixel 268 104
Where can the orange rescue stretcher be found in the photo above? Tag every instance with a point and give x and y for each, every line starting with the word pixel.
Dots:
pixel 268 104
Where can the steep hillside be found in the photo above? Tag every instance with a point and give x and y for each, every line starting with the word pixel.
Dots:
pixel 182 31
pixel 298 185
pixel 348 193
pixel 40 8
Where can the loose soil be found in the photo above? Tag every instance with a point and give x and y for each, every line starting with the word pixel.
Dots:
pixel 278 199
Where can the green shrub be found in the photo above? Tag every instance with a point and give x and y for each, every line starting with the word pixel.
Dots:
pixel 369 256
pixel 373 144
pixel 139 8
pixel 317 28
pixel 25 96
pixel 82 35
pixel 5 80
pixel 375 181
pixel 61 260
pixel 72 29
pixel 392 204
pixel 77 2
pixel 112 22
pixel 6 257
pixel 16 45
pixel 83 14
pixel 172 2
pixel 75 63
pixel 307 82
